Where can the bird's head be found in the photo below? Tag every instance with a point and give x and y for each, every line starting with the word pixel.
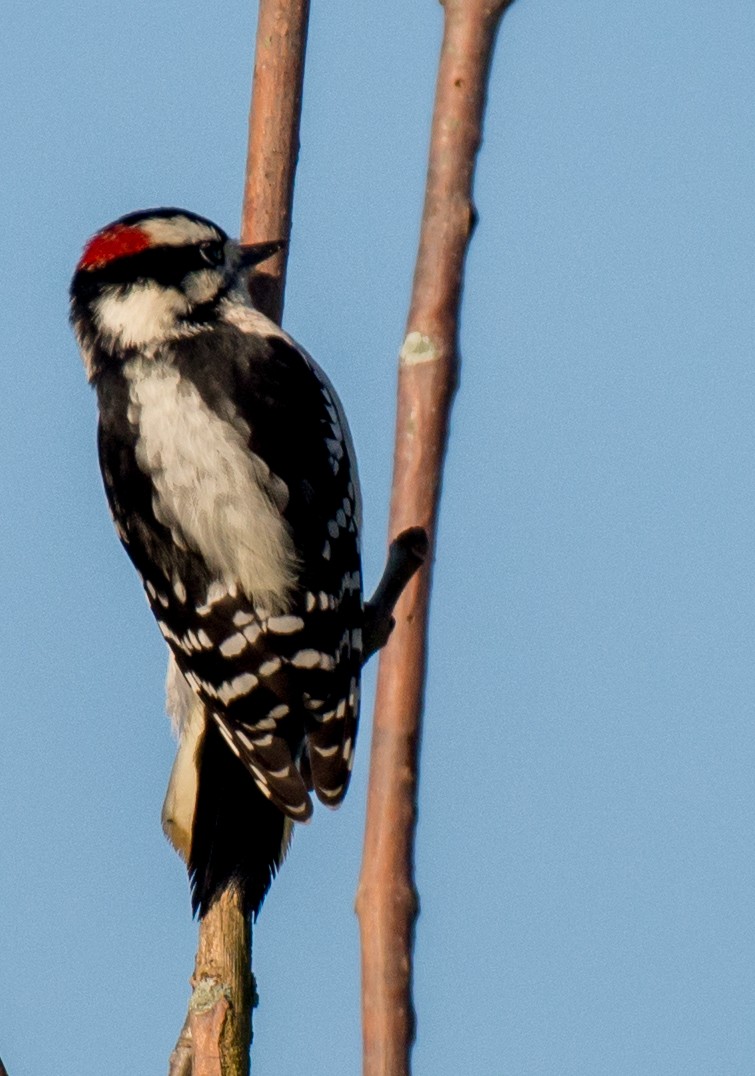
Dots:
pixel 154 275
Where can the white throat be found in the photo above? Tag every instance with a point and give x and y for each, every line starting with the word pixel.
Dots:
pixel 140 314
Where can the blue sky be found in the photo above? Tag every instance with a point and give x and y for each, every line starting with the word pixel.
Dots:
pixel 586 846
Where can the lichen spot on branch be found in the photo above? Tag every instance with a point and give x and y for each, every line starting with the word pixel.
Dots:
pixel 417 348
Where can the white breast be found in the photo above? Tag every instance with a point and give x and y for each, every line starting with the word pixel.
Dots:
pixel 217 497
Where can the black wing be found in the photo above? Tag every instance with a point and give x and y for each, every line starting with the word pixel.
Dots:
pixel 283 688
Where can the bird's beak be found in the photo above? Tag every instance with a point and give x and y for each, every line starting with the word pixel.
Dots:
pixel 254 253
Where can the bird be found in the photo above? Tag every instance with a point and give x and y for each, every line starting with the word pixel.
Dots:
pixel 230 474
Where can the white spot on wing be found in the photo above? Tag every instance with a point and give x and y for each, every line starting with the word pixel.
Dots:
pixel 229 739
pixel 234 689
pixel 233 645
pixel 312 659
pixel 266 723
pixel 306 659
pixel 216 592
pixel 332 793
pixel 170 636
pixel 282 772
pixel 267 668
pixel 245 739
pixel 285 625
pixel 259 774
pixel 326 752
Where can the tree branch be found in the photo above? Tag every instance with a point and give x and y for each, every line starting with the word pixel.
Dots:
pixel 220 1025
pixel 180 1060
pixel 274 141
pixel 387 900
pixel 221 1003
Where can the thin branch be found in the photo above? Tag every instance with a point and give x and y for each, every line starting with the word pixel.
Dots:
pixel 180 1060
pixel 387 900
pixel 221 1005
pixel 3 1070
pixel 274 141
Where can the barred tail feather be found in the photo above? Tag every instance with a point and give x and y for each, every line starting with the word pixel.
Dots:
pixel 238 836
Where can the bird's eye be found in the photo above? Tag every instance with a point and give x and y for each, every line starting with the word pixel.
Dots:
pixel 212 252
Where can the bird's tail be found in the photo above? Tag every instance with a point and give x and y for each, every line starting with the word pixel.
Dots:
pixel 238 836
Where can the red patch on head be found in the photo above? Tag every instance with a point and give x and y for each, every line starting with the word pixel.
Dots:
pixel 116 242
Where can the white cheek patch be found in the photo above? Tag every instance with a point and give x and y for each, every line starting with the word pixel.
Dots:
pixel 139 315
pixel 216 496
pixel 202 286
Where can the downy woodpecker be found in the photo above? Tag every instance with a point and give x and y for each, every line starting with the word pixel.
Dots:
pixel 231 478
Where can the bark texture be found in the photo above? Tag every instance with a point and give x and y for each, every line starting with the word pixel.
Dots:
pixel 220 1012
pixel 180 1063
pixel 387 901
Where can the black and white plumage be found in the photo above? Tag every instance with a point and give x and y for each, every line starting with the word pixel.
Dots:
pixel 231 478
